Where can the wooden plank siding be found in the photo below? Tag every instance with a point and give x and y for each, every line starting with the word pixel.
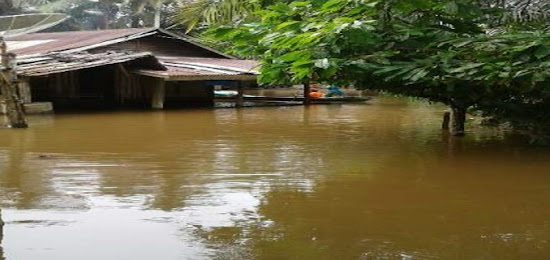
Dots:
pixel 130 89
pixel 119 88
pixel 96 87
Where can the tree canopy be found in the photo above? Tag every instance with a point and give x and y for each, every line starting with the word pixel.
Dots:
pixel 461 53
pixel 91 14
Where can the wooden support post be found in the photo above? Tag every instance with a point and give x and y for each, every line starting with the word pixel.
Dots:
pixel 458 120
pixel 240 90
pixel 8 87
pixel 307 89
pixel 157 99
pixel 446 120
pixel 24 88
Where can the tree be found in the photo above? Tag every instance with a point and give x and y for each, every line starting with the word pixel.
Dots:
pixel 8 7
pixel 88 14
pixel 349 41
pixel 215 12
pixel 437 50
pixel 139 7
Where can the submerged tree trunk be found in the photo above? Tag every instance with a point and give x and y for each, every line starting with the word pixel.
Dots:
pixel 458 120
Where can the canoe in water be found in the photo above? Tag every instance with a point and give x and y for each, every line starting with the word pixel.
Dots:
pixel 331 100
pixel 325 100
pixel 225 93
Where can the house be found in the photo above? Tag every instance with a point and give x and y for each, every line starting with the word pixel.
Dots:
pixel 147 67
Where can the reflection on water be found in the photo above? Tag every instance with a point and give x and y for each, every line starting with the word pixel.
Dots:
pixel 324 182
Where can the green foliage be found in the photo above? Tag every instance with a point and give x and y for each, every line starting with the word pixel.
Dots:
pixel 325 39
pixel 197 15
pixel 213 11
pixel 437 50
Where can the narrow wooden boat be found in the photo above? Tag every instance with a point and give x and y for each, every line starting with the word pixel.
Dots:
pixel 324 100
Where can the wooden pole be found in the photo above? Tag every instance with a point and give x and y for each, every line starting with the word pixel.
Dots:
pixel 24 89
pixel 307 89
pixel 8 87
pixel 240 91
pixel 157 100
pixel 446 120
pixel 458 121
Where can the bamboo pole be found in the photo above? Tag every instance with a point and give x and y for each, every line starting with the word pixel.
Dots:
pixel 8 87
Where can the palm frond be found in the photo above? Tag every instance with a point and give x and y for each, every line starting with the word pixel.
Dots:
pixel 213 12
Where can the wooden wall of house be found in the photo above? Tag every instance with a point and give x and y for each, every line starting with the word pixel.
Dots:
pixel 54 87
pixel 131 90
pixel 100 87
pixel 114 86
pixel 161 45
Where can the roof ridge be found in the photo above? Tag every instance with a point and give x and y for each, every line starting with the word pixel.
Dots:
pixel 88 31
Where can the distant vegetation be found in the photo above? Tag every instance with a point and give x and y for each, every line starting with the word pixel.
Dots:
pixel 98 14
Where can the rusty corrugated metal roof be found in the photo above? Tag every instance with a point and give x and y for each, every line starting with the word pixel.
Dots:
pixel 249 66
pixel 37 43
pixel 49 45
pixel 178 74
pixel 182 68
pixel 61 62
pixel 60 41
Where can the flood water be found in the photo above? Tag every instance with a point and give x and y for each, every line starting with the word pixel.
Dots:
pixel 376 181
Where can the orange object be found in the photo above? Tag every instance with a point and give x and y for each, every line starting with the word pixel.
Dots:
pixel 315 94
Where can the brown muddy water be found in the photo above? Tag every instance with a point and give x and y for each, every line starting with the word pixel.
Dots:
pixel 376 181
